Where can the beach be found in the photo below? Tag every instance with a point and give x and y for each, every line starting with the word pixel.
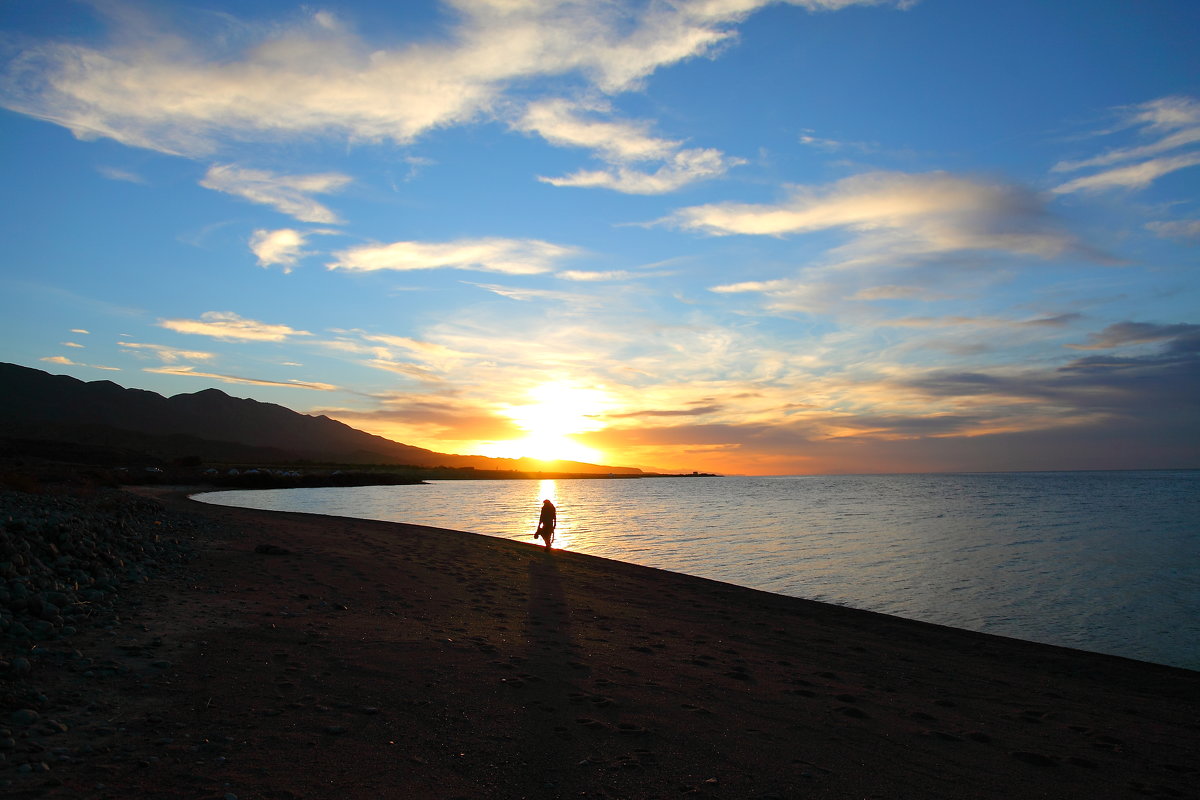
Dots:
pixel 301 656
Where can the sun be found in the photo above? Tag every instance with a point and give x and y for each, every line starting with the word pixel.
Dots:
pixel 555 412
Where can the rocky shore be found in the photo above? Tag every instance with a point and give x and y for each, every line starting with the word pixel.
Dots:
pixel 63 558
pixel 155 647
pixel 66 560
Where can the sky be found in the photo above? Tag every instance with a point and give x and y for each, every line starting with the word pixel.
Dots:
pixel 738 236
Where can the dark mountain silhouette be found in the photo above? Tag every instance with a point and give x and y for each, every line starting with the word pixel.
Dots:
pixel 38 406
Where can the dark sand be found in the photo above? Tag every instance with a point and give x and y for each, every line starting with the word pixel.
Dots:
pixel 377 660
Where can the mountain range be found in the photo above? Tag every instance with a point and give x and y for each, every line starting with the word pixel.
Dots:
pixel 68 415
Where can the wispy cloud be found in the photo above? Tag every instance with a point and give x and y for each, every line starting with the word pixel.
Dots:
pixel 1176 229
pixel 168 355
pixel 288 194
pixel 909 236
pixel 808 139
pixel 986 322
pixel 667 412
pixel 906 417
pixel 936 211
pixel 598 276
pixel 442 417
pixel 892 292
pixel 179 94
pixel 428 351
pixel 1091 389
pixel 1175 119
pixel 408 369
pixel 622 144
pixel 422 361
pixel 509 256
pixel 66 362
pixel 190 372
pixel 228 326
pixel 533 295
pixel 117 174
pixel 682 168
pixel 1173 123
pixel 1132 176
pixel 1122 334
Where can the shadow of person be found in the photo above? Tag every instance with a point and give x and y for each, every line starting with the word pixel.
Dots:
pixel 551 670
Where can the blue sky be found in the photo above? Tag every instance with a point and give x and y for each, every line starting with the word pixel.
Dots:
pixel 728 235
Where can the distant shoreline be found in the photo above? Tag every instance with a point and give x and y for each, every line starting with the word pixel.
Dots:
pixel 269 480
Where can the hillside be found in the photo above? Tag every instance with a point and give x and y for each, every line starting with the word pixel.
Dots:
pixel 36 406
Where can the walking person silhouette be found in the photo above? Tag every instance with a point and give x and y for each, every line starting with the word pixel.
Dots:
pixel 547 523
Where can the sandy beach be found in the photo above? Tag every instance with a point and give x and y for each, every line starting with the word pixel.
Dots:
pixel 301 656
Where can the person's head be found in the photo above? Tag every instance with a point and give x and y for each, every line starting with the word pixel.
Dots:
pixel 546 502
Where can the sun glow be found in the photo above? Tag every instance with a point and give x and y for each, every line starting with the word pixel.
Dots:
pixel 555 413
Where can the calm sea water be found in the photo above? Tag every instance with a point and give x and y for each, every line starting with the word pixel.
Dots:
pixel 1101 561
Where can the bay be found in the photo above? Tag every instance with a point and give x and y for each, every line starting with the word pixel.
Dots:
pixel 1100 561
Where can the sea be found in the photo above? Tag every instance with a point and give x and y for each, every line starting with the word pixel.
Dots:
pixel 1101 561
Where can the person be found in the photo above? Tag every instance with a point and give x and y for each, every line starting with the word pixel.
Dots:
pixel 546 523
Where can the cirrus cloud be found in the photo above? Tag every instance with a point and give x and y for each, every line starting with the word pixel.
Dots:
pixel 620 143
pixel 287 194
pixel 228 326
pixel 189 372
pixel 66 362
pixel 1173 121
pixel 1132 176
pixel 1176 229
pixel 168 355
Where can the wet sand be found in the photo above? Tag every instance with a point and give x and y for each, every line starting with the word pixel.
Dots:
pixel 381 660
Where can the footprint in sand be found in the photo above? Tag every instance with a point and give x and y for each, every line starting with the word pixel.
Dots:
pixel 852 711
pixel 1036 759
pixel 594 724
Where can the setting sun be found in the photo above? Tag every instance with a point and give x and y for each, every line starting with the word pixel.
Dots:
pixel 555 412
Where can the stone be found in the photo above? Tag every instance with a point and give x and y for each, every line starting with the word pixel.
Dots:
pixel 24 717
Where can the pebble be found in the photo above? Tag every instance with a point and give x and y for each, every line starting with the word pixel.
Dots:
pixel 24 716
pixel 63 558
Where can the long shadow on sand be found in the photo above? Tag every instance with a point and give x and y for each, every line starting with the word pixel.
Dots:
pixel 550 669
